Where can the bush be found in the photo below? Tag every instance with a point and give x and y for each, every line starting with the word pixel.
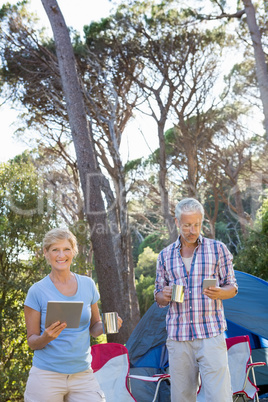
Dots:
pixel 252 256
pixel 145 278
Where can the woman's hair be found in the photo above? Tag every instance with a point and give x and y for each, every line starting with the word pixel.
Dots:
pixel 188 205
pixel 54 235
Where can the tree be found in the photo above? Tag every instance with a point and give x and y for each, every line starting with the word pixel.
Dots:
pixel 260 59
pixel 130 20
pixel 179 71
pixel 110 283
pixel 23 222
pixel 146 52
pixel 110 100
pixel 252 255
pixel 42 96
pixel 256 38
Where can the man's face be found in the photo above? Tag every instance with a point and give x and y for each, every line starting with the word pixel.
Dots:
pixel 190 225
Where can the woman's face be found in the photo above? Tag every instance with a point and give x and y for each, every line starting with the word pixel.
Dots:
pixel 60 255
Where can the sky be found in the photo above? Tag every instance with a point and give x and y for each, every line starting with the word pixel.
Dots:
pixel 86 11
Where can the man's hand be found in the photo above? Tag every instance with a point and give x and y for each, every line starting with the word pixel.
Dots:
pixel 213 292
pixel 223 292
pixel 163 298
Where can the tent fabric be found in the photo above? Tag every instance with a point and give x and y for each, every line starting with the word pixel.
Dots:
pixel 256 341
pixel 148 354
pixel 249 308
pixel 246 314
pixel 149 334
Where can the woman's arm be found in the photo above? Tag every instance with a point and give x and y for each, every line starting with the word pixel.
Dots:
pixel 95 328
pixel 33 321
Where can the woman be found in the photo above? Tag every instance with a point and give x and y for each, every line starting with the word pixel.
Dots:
pixel 61 369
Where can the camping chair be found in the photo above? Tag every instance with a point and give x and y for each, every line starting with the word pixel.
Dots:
pixel 240 366
pixel 156 378
pixel 110 364
pixel 151 370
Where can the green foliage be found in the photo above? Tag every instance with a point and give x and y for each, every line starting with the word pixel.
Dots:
pixel 252 256
pixel 145 278
pixel 132 165
pixel 100 339
pixel 93 30
pixel 156 241
pixel 22 225
pixel 147 263
pixel 145 292
pixel 7 7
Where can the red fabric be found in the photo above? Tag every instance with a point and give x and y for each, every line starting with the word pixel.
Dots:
pixel 107 352
pixel 237 339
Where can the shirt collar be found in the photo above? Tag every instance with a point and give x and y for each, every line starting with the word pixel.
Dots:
pixel 178 241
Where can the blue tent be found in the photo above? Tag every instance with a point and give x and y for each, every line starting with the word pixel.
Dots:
pixel 246 314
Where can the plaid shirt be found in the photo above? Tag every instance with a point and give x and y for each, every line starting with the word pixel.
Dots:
pixel 198 316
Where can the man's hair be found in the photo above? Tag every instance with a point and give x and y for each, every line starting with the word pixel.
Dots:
pixel 57 234
pixel 188 205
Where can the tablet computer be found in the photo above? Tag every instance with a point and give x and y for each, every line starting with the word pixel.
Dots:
pixel 209 282
pixel 64 311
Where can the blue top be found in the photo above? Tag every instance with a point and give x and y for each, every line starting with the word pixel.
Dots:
pixel 70 352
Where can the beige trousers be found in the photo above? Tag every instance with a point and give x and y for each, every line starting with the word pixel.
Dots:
pixel 207 357
pixel 49 386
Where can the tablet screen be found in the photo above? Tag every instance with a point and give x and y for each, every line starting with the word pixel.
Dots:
pixel 64 311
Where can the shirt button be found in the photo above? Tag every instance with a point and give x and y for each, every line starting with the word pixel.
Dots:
pixel 190 306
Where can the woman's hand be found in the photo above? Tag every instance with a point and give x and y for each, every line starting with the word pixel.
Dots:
pixel 33 322
pixel 119 322
pixel 53 331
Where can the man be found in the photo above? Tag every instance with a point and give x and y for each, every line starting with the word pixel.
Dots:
pixel 195 327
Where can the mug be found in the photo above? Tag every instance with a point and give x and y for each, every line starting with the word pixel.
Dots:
pixel 109 323
pixel 177 293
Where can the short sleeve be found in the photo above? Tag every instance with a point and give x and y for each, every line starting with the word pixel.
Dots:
pixel 95 293
pixel 32 299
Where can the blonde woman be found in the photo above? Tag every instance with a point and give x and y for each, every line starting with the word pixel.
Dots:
pixel 61 367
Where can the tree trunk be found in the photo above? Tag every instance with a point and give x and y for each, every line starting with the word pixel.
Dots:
pixel 261 66
pixel 169 220
pixel 110 284
pixel 118 221
pixel 192 166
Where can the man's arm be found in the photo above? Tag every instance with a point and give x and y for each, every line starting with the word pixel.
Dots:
pixel 162 292
pixel 223 292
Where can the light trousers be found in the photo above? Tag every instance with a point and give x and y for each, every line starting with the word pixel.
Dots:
pixel 207 357
pixel 49 386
